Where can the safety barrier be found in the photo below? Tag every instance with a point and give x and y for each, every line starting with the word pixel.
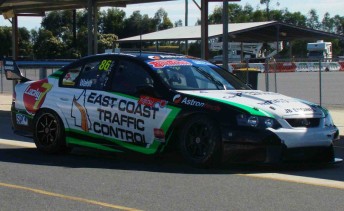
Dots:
pixel 280 67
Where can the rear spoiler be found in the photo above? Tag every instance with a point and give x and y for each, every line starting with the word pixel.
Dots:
pixel 12 71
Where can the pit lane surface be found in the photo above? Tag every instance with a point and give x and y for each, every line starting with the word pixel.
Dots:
pixel 93 180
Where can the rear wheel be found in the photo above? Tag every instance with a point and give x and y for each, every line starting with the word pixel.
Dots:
pixel 200 141
pixel 49 135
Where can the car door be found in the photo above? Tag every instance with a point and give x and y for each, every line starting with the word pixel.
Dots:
pixel 76 98
pixel 138 116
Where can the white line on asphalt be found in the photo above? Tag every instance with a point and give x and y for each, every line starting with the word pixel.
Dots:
pixel 298 179
pixel 17 143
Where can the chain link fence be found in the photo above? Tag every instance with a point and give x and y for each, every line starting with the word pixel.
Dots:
pixel 30 73
pixel 298 78
pixel 317 81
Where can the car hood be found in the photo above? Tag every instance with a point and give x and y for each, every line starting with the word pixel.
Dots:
pixel 269 103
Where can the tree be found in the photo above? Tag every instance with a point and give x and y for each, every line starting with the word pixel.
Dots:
pixel 6 41
pixel 58 21
pixel 25 45
pixel 47 46
pixel 161 20
pixel 313 20
pixel 178 23
pixel 112 21
pixel 339 24
pixel 106 41
pixel 327 23
pixel 295 18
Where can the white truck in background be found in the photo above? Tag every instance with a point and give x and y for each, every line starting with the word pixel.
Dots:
pixel 320 50
pixel 249 51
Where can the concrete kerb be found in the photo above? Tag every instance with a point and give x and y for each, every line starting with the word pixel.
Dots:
pixel 336 112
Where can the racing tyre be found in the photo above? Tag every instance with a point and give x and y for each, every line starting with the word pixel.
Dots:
pixel 49 135
pixel 200 142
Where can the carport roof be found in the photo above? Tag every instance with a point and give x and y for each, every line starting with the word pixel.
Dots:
pixel 31 6
pixel 239 32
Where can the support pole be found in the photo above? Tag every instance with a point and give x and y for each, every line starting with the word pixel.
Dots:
pixel 186 24
pixel 277 51
pixel 320 83
pixel 15 41
pixel 90 28
pixel 225 35
pixel 204 29
pixel 95 24
pixel 74 29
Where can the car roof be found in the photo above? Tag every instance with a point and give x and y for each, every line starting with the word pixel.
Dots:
pixel 145 55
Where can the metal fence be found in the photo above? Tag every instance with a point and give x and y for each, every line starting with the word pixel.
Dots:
pixel 317 81
pixel 300 78
pixel 31 73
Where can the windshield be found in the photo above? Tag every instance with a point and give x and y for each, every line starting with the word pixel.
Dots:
pixel 197 75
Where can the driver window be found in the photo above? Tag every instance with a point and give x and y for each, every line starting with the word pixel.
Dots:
pixel 95 74
pixel 128 77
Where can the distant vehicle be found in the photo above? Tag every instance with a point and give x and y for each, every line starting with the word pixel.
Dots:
pixel 151 102
pixel 320 50
pixel 251 51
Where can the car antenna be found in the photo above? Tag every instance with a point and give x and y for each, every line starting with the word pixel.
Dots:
pixel 140 43
pixel 140 39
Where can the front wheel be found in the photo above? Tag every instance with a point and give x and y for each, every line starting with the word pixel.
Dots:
pixel 49 135
pixel 200 141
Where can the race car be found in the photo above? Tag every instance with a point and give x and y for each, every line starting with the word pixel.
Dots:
pixel 151 102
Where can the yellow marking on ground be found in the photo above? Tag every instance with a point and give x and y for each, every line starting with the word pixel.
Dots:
pixel 72 198
pixel 17 143
pixel 298 179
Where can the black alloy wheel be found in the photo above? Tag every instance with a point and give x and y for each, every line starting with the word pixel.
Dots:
pixel 49 134
pixel 200 141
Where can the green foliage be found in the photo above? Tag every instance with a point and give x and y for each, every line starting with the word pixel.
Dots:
pixel 106 41
pixel 6 41
pixel 55 37
pixel 48 46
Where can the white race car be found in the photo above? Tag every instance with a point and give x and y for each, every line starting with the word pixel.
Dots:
pixel 151 102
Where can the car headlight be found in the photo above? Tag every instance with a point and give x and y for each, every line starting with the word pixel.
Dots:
pixel 328 122
pixel 257 121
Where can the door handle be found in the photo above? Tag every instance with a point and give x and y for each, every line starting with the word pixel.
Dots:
pixel 63 99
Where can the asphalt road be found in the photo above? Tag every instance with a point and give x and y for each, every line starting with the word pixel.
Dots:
pixel 93 180
pixel 307 86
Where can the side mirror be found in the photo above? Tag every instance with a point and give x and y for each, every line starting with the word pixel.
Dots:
pixel 12 71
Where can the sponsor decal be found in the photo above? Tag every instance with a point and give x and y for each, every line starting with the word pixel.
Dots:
pixel 212 107
pixel 85 83
pixel 34 95
pixel 177 99
pixel 170 63
pixel 201 62
pixel 22 119
pixel 8 67
pixel 166 57
pixel 276 101
pixel 154 57
pixel 230 95
pixel 191 102
pixel 81 118
pixel 152 102
pixel 122 118
pixel 159 134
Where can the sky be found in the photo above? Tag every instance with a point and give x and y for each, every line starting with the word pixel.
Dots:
pixel 176 10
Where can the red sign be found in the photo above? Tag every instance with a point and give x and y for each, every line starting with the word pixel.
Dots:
pixel 151 101
pixel 34 95
pixel 171 62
